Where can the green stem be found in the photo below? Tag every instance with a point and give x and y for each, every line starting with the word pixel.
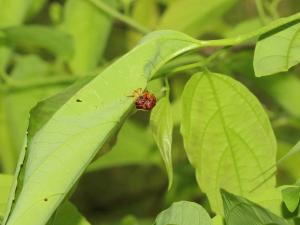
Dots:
pixel 202 63
pixel 242 38
pixel 115 14
pixel 272 8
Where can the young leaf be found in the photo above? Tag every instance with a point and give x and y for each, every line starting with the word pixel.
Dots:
pixel 184 213
pixel 277 51
pixel 35 36
pixel 66 131
pixel 239 211
pixel 227 136
pixel 291 197
pixel 90 28
pixel 162 127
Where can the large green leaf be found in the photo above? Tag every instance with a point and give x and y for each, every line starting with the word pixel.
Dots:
pixel 66 131
pixel 66 214
pixel 193 16
pixel 90 28
pixel 227 136
pixel 184 213
pixel 35 36
pixel 161 121
pixel 277 51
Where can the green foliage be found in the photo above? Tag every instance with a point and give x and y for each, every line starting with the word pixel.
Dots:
pixel 230 143
pixel 239 210
pixel 36 36
pixel 53 50
pixel 277 51
pixel 15 105
pixel 184 213
pixel 161 121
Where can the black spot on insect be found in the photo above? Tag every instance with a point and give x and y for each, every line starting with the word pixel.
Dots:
pixel 78 100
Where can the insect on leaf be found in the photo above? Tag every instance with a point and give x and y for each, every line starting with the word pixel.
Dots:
pixel 66 132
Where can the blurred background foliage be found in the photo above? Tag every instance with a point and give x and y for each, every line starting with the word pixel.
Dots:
pixel 45 45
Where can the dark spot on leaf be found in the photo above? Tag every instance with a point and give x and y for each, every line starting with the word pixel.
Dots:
pixel 45 199
pixel 78 100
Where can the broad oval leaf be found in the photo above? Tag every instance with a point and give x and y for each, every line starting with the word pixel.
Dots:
pixel 66 131
pixel 161 121
pixel 239 211
pixel 227 137
pixel 277 52
pixel 184 213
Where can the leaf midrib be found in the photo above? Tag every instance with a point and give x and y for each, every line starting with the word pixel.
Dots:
pixel 226 133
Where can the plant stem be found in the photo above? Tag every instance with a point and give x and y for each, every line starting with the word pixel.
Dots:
pixel 242 38
pixel 272 8
pixel 115 14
